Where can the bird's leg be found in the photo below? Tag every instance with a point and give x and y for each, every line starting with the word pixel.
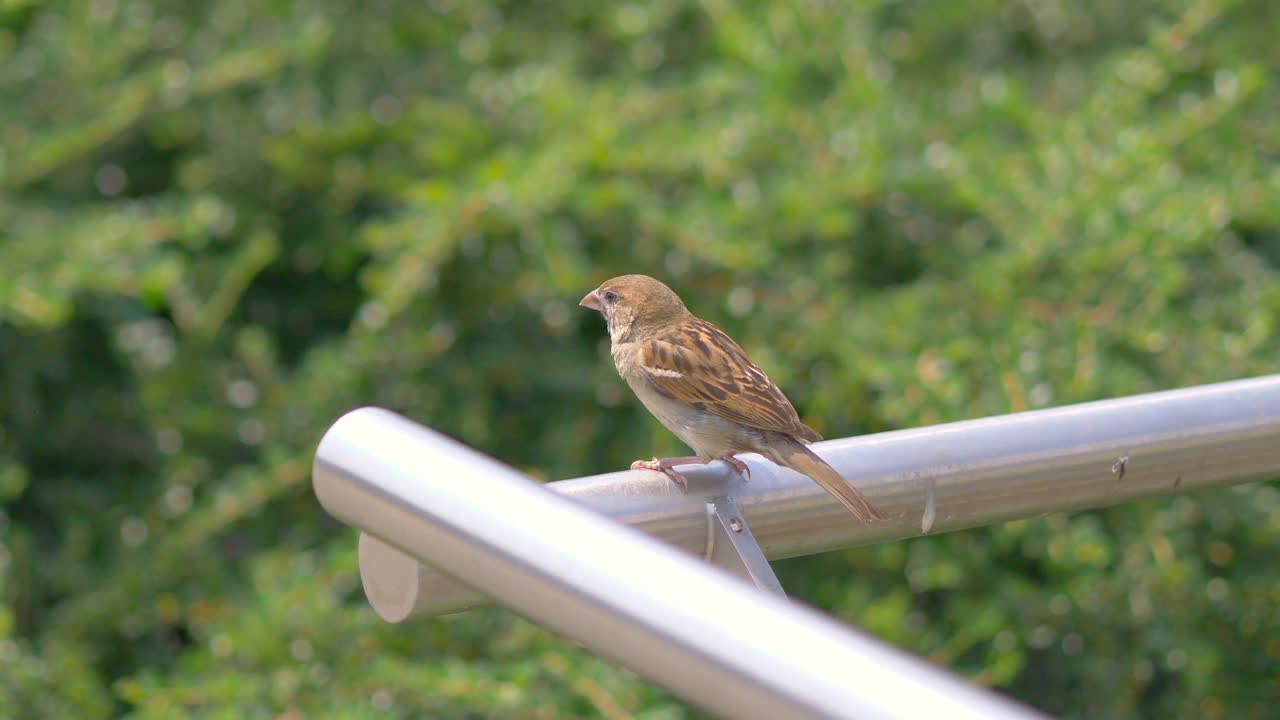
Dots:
pixel 667 466
pixel 743 469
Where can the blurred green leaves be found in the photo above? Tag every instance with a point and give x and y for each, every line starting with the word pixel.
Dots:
pixel 225 225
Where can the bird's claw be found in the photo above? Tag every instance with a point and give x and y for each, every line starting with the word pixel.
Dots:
pixel 667 466
pixel 663 467
pixel 743 469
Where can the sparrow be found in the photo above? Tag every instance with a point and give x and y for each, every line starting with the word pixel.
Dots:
pixel 699 384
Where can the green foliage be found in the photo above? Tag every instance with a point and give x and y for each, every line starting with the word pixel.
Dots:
pixel 224 224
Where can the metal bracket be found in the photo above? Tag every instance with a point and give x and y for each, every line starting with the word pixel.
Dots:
pixel 731 546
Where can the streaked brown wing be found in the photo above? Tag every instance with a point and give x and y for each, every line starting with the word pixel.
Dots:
pixel 699 364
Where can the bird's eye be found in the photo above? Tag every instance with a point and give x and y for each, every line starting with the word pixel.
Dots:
pixel 610 296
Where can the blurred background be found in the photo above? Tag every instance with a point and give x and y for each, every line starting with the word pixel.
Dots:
pixel 224 224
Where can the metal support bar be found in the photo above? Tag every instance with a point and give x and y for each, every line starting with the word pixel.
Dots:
pixel 929 480
pixel 695 629
pixel 731 545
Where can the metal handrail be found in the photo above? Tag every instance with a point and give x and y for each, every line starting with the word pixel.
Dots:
pixel 569 560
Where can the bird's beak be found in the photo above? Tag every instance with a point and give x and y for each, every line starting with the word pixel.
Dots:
pixel 592 300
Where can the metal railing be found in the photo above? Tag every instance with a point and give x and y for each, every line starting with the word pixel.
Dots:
pixel 567 558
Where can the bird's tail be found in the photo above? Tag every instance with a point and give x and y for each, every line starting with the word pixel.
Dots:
pixel 793 454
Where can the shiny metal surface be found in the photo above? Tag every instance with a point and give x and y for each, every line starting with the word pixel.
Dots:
pixel 929 480
pixel 709 636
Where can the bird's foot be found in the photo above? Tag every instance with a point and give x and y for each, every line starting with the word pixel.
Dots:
pixel 743 469
pixel 667 467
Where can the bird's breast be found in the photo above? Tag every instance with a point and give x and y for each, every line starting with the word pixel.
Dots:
pixel 706 433
pixel 623 357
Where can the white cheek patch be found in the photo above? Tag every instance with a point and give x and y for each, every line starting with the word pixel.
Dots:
pixel 661 372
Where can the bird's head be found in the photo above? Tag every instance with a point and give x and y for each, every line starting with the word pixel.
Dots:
pixel 635 305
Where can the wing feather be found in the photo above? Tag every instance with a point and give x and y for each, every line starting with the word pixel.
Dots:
pixel 697 363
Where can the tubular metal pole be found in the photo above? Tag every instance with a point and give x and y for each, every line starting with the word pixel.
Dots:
pixel 708 636
pixel 932 479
